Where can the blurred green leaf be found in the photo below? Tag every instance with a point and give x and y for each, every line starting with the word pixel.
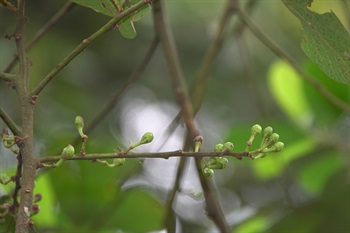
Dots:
pixel 287 89
pixel 137 211
pixel 47 217
pixel 127 29
pixel 253 225
pixel 301 101
pixel 315 175
pixel 324 40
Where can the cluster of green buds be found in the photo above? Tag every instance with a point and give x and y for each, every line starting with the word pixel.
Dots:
pixel 9 141
pixel 117 162
pixel 269 143
pixel 217 162
pixel 67 153
pixel 79 124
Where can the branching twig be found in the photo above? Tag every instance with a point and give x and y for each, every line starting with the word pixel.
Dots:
pixel 9 122
pixel 42 31
pixel 280 53
pixel 85 43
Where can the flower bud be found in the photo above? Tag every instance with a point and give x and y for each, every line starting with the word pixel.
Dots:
pixel 35 210
pixel 212 161
pixel 277 147
pixel 271 140
pixel 118 162
pixel 207 172
pixel 256 129
pixel 229 146
pixel 223 161
pixel 37 197
pixel 268 131
pixel 4 179
pixel 197 143
pixel 68 151
pixel 218 147
pixel 146 138
pixel 79 124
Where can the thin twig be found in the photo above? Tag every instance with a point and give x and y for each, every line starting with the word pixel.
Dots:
pixel 7 76
pixel 9 122
pixel 201 79
pixel 280 53
pixel 42 31
pixel 116 95
pixel 163 30
pixel 170 52
pixel 85 43
pixel 153 155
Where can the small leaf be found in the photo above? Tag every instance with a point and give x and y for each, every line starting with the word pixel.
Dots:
pixel 127 29
pixel 324 40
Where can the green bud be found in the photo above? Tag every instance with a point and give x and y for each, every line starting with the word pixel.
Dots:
pixel 4 179
pixel 79 124
pixel 268 131
pixel 146 138
pixel 207 172
pixel 228 145
pixel 197 142
pixel 223 161
pixel 118 162
pixel 212 161
pixel 277 147
pixel 271 140
pixel 218 147
pixel 256 129
pixel 68 151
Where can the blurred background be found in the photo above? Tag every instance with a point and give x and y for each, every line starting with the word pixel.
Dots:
pixel 304 188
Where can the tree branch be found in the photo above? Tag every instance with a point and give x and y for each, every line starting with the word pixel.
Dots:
pixel 9 122
pixel 42 31
pixel 280 53
pixel 85 43
pixel 8 76
pixel 25 141
pixel 142 155
pixel 163 31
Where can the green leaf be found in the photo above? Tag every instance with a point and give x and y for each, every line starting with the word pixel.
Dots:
pixel 301 101
pixel 325 166
pixel 287 89
pixel 324 40
pixel 127 29
pixel 101 6
pixel 47 216
pixel 112 8
pixel 137 211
